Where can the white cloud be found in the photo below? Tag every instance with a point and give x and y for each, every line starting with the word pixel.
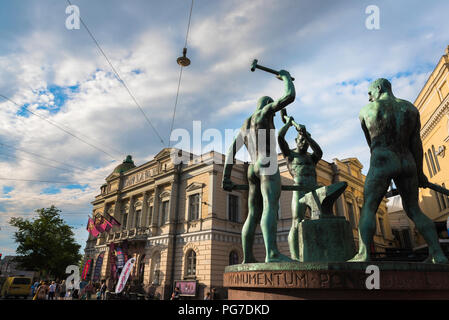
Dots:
pixel 326 48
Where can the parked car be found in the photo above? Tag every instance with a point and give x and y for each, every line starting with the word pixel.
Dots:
pixel 17 287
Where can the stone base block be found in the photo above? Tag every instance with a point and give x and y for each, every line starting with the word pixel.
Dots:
pixel 333 281
pixel 327 239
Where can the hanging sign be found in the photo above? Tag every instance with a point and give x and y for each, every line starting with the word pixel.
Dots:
pixel 98 265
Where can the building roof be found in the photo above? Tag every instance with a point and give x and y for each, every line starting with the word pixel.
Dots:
pixel 126 165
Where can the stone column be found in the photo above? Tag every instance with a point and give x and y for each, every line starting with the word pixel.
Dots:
pixel 144 213
pixel 155 217
pixel 131 213
pixel 128 221
pixel 210 200
pixel 172 205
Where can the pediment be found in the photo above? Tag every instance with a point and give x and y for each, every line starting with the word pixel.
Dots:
pixel 163 153
pixel 164 194
pixel 137 204
pixel 194 186
pixel 112 176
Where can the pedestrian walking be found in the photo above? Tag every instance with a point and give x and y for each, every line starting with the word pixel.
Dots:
pixel 103 290
pixel 176 294
pixel 41 292
pixel 62 290
pixel 89 290
pixel 52 291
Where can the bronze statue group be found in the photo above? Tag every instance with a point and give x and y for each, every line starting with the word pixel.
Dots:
pixel 392 130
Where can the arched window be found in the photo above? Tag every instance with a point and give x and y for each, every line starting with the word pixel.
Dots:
pixel 351 215
pixel 233 258
pixel 155 269
pixel 428 165
pixel 436 158
pixel 431 161
pixel 191 263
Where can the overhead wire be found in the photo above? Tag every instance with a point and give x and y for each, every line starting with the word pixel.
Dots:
pixel 44 181
pixel 119 78
pixel 180 76
pixel 44 158
pixel 39 156
pixel 59 127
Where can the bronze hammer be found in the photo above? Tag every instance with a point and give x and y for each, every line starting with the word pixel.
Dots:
pixel 255 66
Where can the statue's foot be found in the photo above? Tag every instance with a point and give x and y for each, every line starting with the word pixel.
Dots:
pixel 278 258
pixel 249 260
pixel 441 258
pixel 359 257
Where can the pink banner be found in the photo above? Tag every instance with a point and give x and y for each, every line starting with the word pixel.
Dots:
pixel 91 228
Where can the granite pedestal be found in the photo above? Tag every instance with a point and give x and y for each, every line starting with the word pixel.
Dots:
pixel 339 280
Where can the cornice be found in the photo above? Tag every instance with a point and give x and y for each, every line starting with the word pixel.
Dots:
pixel 430 124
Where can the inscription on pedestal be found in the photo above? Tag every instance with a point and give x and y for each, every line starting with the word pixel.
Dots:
pixel 328 279
pixel 295 279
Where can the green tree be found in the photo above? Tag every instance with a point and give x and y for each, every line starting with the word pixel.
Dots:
pixel 46 243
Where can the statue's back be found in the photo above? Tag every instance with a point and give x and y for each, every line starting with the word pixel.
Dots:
pixel 391 124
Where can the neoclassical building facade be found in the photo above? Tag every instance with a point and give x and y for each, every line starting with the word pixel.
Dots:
pixel 179 223
pixel 433 105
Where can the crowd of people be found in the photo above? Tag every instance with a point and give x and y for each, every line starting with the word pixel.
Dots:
pixel 57 290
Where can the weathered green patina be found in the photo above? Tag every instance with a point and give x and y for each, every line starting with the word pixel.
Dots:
pixel 328 240
pixel 341 266
pixel 257 134
pixel 392 130
pixel 126 165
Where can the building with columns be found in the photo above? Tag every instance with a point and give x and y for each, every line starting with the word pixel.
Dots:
pixel 433 105
pixel 179 223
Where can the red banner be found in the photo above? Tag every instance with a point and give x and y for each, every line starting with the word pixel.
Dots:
pixel 101 224
pixel 86 269
pixel 91 228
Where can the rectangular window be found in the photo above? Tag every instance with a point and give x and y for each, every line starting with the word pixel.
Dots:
pixel 194 207
pixel 381 226
pixel 125 220
pixel 164 208
pixel 233 208
pixel 351 215
pixel 137 219
pixel 150 215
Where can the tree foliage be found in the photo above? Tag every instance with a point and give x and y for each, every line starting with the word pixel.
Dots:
pixel 46 243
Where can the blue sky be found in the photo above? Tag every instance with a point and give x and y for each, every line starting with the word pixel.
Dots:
pixel 60 75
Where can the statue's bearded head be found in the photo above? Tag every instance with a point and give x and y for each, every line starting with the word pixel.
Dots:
pixel 263 102
pixel 301 142
pixel 377 88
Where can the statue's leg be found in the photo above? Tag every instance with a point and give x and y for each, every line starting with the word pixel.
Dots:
pixel 408 189
pixel 376 186
pixel 270 186
pixel 254 214
pixel 298 211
